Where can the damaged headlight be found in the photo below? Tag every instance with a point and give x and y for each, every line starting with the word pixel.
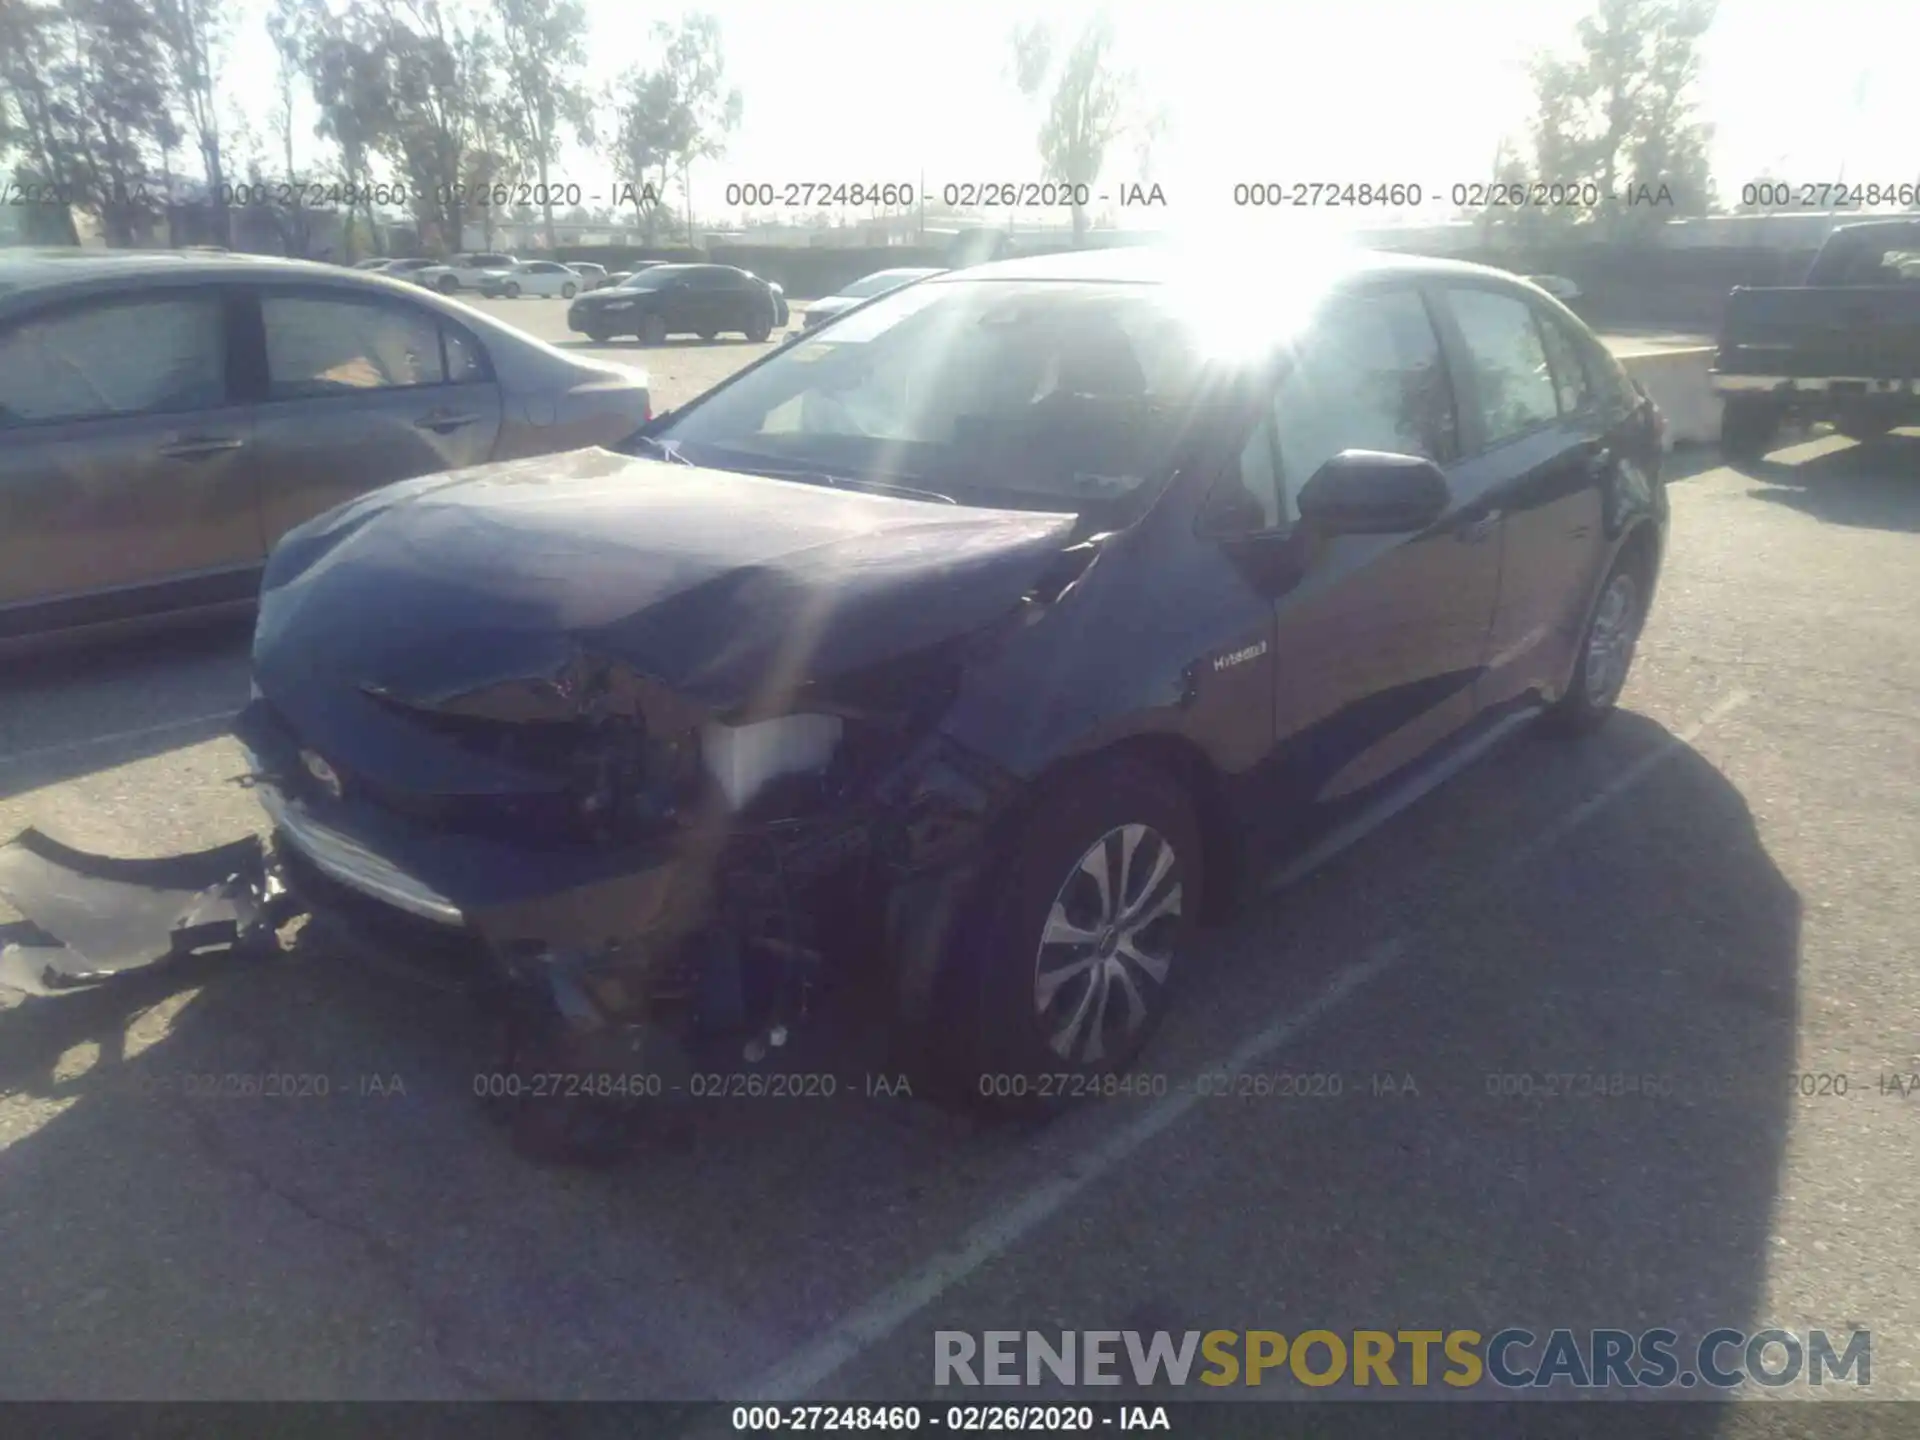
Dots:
pixel 743 759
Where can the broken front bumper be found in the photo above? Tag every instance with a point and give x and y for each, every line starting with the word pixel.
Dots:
pixel 91 919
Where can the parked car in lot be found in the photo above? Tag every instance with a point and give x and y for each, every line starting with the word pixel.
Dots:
pixel 462 272
pixel 164 418
pixel 1003 631
pixel 406 269
pixel 620 277
pixel 1844 347
pixel 703 300
pixel 532 277
pixel 592 276
pixel 879 283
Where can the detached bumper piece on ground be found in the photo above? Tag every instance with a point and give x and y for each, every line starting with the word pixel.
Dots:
pixel 92 919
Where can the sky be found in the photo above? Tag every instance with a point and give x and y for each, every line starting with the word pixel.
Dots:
pixel 845 91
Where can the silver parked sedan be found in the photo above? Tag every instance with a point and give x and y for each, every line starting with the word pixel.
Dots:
pixel 166 417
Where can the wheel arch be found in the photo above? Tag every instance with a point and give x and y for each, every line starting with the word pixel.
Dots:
pixel 1639 546
pixel 1182 761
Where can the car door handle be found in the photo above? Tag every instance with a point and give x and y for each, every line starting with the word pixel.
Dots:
pixel 194 447
pixel 443 421
pixel 1482 528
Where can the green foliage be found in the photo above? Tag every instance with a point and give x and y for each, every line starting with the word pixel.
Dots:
pixel 1089 104
pixel 1618 111
pixel 671 115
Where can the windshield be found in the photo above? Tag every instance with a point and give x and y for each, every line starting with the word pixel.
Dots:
pixel 1060 396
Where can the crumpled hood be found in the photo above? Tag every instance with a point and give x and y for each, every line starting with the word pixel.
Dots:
pixel 717 585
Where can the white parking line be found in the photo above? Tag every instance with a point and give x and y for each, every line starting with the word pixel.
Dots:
pixel 873 1322
pixel 41 752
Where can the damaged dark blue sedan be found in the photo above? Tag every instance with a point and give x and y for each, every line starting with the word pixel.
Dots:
pixel 970 652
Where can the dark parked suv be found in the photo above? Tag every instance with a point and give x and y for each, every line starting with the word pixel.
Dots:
pixel 967 653
pixel 663 300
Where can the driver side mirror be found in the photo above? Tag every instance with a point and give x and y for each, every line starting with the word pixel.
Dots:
pixel 1373 492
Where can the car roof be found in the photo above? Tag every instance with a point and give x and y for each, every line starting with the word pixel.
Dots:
pixel 30 278
pixel 29 269
pixel 1165 264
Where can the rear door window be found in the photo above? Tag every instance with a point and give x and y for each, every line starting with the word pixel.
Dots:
pixel 1513 382
pixel 329 345
pixel 1571 383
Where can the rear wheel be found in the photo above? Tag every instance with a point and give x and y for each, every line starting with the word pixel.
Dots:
pixel 513 290
pixel 1606 652
pixel 708 334
pixel 567 290
pixel 598 337
pixel 653 330
pixel 1748 429
pixel 758 332
pixel 1073 956
pixel 449 284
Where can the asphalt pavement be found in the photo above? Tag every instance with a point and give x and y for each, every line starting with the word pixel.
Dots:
pixel 1714 891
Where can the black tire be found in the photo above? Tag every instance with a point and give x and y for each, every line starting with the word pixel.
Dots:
pixel 1018 1042
pixel 759 331
pixel 1748 429
pixel 449 285
pixel 513 290
pixel 653 330
pixel 1606 651
pixel 598 337
pixel 707 334
pixel 568 291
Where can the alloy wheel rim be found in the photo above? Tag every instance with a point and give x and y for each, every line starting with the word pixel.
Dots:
pixel 1611 640
pixel 1107 946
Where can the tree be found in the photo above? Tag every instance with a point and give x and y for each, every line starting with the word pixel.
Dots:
pixel 648 134
pixel 672 116
pixel 346 66
pixel 432 79
pixel 545 50
pixel 34 119
pixel 1619 111
pixel 289 26
pixel 195 33
pixel 1089 106
pixel 87 100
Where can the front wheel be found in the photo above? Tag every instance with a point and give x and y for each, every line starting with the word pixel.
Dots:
pixel 513 291
pixel 567 291
pixel 449 285
pixel 759 331
pixel 653 330
pixel 1079 939
pixel 1606 653
pixel 598 337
